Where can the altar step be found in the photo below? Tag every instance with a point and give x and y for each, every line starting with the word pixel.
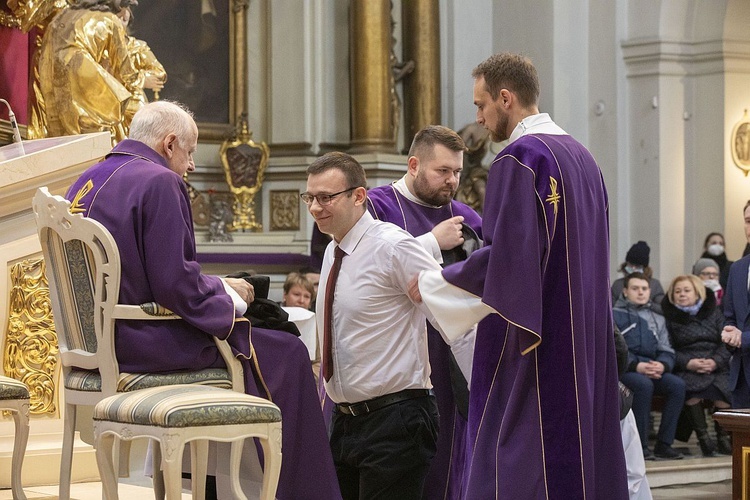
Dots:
pixel 694 468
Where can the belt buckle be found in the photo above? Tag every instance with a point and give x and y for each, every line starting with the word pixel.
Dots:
pixel 354 409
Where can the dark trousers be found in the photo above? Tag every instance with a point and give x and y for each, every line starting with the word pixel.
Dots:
pixel 671 387
pixel 741 393
pixel 385 454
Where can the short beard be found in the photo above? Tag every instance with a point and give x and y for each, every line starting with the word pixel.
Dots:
pixel 430 196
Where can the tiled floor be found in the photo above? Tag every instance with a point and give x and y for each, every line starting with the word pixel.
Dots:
pixel 93 491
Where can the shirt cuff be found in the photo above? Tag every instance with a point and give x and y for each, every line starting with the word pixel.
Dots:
pixel 430 243
pixel 454 309
pixel 240 306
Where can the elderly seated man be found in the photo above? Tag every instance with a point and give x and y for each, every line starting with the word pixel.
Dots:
pixel 138 194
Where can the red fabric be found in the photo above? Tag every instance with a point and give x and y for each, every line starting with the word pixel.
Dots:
pixel 327 361
pixel 14 72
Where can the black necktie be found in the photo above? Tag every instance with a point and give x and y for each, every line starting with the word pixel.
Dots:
pixel 328 314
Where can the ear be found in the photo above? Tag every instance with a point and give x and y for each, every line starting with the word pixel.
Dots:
pixel 412 165
pixel 505 98
pixel 168 144
pixel 360 196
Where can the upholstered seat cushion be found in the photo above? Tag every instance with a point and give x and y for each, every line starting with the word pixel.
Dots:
pixel 85 380
pixel 11 388
pixel 186 406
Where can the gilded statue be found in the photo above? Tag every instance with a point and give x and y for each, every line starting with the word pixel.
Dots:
pixel 145 62
pixel 36 14
pixel 87 75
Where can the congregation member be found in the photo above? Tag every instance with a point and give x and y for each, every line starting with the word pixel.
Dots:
pixel 298 291
pixel 714 248
pixel 636 261
pixel 544 400
pixel 375 363
pixel 694 323
pixel 709 271
pixel 650 360
pixel 422 203
pixel 138 194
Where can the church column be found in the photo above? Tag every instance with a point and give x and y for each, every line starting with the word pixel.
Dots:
pixel 421 39
pixel 371 78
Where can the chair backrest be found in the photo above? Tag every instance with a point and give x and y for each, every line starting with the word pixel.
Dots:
pixel 83 270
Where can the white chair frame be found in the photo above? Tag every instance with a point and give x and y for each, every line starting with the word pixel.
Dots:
pixel 56 227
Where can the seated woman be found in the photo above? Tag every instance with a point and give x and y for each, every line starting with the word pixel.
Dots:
pixel 650 359
pixel 694 323
pixel 709 271
pixel 714 248
pixel 636 261
pixel 298 291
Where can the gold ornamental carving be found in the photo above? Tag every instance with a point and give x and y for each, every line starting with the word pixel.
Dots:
pixel 244 164
pixel 30 350
pixel 284 210
pixel 740 144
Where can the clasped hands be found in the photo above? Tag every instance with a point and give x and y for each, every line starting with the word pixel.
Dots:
pixel 732 336
pixel 651 369
pixel 701 365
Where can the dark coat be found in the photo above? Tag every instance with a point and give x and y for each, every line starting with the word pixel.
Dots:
pixel 699 336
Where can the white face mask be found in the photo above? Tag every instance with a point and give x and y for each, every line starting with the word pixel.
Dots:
pixel 715 249
pixel 633 269
pixel 713 285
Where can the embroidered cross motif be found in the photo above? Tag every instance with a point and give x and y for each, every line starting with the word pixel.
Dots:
pixel 75 205
pixel 554 196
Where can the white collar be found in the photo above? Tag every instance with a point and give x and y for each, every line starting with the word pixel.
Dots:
pixel 539 123
pixel 401 187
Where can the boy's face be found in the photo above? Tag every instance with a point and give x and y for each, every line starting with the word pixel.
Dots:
pixel 297 296
pixel 638 291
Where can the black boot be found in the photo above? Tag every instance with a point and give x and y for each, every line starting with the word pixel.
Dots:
pixel 698 421
pixel 725 442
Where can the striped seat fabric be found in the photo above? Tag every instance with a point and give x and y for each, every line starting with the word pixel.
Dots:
pixel 186 406
pixel 11 388
pixel 85 380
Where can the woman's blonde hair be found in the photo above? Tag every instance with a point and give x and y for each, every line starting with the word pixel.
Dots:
pixel 698 285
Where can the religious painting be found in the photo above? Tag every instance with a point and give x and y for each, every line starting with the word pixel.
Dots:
pixel 740 144
pixel 194 40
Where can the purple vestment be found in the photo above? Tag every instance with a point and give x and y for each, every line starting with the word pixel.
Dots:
pixel 544 407
pixel 147 209
pixel 446 469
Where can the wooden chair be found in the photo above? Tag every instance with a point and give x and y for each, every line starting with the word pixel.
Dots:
pixel 176 415
pixel 83 269
pixel 14 397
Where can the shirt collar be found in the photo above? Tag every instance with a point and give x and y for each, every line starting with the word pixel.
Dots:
pixel 539 123
pixel 350 241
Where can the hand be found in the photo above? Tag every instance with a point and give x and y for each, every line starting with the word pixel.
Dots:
pixel 245 290
pixel 153 82
pixel 448 233
pixel 695 365
pixel 650 369
pixel 413 290
pixel 731 336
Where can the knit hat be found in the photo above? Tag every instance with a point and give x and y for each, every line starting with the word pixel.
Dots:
pixel 638 254
pixel 701 264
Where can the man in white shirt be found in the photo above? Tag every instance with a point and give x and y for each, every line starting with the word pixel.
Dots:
pixel 375 357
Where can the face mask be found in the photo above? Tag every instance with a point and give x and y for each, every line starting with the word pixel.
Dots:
pixel 713 285
pixel 715 249
pixel 633 269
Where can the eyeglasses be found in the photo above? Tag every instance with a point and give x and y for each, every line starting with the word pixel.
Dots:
pixel 323 199
pixel 708 274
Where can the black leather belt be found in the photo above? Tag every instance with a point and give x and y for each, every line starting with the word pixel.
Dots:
pixel 364 407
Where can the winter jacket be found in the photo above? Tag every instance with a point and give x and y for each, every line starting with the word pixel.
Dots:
pixel 645 333
pixel 699 336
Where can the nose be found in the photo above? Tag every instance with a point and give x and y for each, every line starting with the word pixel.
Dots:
pixel 480 118
pixel 314 207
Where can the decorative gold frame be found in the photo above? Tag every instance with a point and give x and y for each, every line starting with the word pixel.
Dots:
pixel 740 144
pixel 238 76
pixel 244 164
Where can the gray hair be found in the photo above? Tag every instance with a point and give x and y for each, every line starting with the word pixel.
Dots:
pixel 156 120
